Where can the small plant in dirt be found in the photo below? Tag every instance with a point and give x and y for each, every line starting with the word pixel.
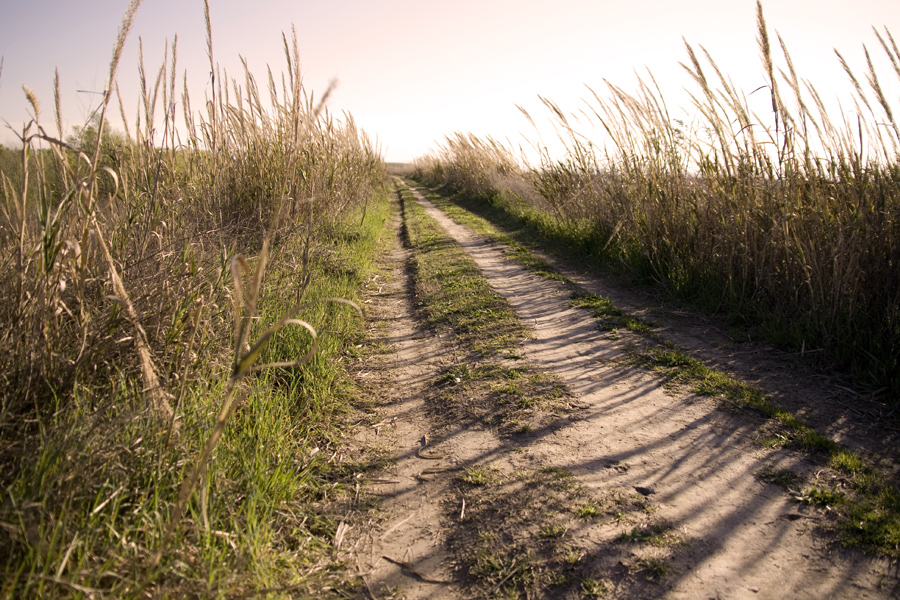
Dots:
pixel 627 504
pixel 558 579
pixel 652 568
pixel 589 510
pixel 609 317
pixel 513 569
pixel 777 440
pixel 485 536
pixel 478 476
pixel 558 477
pixel 573 555
pixel 849 463
pixel 455 375
pixel 552 530
pixel 603 307
pixel 820 497
pixel 656 535
pixel 783 477
pixel 592 587
pixel 521 429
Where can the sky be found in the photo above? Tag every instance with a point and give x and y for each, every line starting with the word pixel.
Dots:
pixel 413 71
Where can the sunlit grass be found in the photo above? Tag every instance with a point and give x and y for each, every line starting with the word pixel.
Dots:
pixel 787 221
pixel 176 319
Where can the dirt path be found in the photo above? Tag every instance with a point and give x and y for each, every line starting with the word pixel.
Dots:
pixel 850 417
pixel 730 534
pixel 405 549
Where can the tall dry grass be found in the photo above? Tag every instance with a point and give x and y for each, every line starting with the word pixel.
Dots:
pixel 468 163
pixel 788 220
pixel 135 305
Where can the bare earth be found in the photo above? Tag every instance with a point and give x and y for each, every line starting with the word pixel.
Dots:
pixel 695 460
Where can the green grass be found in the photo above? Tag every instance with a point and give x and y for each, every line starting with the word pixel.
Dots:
pixel 452 290
pixel 478 476
pixel 652 568
pixel 592 587
pixel 174 384
pixel 783 477
pixel 817 497
pixel 552 531
pixel 589 510
pixel 609 317
pixel 657 535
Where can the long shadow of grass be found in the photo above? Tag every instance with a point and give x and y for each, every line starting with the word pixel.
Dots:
pixel 745 505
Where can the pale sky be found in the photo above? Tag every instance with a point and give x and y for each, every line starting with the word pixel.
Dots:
pixel 413 71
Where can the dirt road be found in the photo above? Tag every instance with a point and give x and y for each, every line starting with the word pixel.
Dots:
pixel 690 518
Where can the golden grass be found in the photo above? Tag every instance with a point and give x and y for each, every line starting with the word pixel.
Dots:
pixel 788 222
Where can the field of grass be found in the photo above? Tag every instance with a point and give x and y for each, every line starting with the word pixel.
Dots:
pixel 788 223
pixel 178 309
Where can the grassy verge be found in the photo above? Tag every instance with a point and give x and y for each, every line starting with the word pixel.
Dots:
pixel 176 319
pixel 86 512
pixel 866 508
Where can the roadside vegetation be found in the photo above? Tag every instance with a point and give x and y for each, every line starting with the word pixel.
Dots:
pixel 787 223
pixel 863 503
pixel 178 307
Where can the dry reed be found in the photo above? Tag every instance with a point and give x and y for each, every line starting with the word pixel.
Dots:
pixel 121 252
pixel 789 222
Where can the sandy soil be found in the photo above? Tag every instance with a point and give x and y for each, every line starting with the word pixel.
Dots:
pixel 695 460
pixel 853 417
pixel 405 548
